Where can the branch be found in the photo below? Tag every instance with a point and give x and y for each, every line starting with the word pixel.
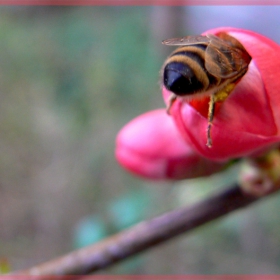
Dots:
pixel 144 235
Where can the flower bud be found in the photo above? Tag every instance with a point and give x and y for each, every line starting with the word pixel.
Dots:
pixel 151 146
pixel 159 146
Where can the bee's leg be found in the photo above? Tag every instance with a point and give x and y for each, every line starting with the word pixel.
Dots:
pixel 171 100
pixel 219 96
pixel 211 110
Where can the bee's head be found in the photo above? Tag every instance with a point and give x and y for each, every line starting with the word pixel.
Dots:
pixel 179 78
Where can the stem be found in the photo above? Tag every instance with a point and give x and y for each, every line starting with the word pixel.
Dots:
pixel 144 235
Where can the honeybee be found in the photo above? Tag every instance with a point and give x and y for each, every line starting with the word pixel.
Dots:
pixel 204 66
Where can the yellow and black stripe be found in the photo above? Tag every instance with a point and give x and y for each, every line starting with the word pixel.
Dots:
pixel 184 72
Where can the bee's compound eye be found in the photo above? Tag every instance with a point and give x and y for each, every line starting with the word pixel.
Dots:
pixel 180 79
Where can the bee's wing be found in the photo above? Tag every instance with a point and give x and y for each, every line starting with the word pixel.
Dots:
pixel 222 59
pixel 188 40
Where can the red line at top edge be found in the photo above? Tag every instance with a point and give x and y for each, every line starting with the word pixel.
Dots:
pixel 138 2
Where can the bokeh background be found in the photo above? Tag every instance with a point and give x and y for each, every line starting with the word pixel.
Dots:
pixel 70 78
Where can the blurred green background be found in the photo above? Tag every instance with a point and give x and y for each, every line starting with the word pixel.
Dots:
pixel 70 78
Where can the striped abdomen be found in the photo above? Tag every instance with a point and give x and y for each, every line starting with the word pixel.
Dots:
pixel 184 72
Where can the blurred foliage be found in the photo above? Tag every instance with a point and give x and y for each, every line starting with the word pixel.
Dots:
pixel 89 230
pixel 130 208
pixel 124 211
pixel 71 77
pixel 4 266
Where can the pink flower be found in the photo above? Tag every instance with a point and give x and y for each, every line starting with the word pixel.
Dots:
pixel 248 121
pixel 151 146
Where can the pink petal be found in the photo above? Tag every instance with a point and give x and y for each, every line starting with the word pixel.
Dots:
pixel 151 146
pixel 266 55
